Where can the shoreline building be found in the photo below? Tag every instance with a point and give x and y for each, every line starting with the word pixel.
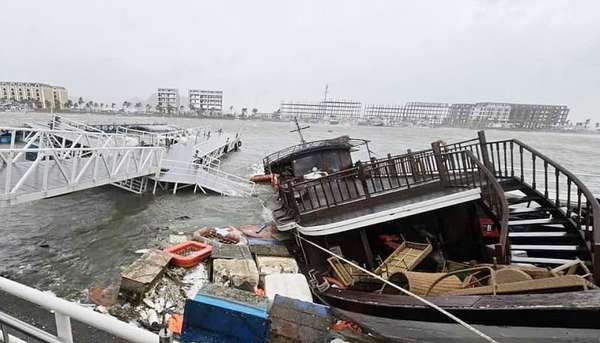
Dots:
pixel 459 115
pixel 528 116
pixel 168 100
pixel 40 95
pixel 386 113
pixel 531 116
pixel 342 110
pixel 491 113
pixel 206 101
pixel 428 113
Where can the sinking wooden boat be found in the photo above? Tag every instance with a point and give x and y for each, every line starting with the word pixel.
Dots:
pixel 502 205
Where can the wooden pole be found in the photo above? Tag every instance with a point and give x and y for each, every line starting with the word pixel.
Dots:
pixel 439 161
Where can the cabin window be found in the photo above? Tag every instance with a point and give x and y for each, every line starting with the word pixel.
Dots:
pixel 329 161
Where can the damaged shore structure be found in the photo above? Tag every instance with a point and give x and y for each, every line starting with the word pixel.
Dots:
pixel 474 239
pixel 61 156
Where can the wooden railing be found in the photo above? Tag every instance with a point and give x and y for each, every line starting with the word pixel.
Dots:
pixel 464 169
pixel 362 182
pixel 513 159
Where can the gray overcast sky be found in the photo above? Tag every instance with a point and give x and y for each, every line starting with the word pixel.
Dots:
pixel 260 52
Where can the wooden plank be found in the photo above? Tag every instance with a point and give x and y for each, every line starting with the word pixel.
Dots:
pixel 544 247
pixel 569 282
pixel 144 271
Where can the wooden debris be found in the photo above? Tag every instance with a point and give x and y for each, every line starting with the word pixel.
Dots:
pixel 143 272
pixel 405 258
pixel 555 284
pixel 507 275
pixel 419 283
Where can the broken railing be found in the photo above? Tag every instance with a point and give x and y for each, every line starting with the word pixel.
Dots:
pixel 553 184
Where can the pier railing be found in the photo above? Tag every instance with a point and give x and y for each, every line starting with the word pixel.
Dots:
pixel 47 166
pixel 12 328
pixel 514 160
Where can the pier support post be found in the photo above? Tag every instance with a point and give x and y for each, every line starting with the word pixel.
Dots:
pixel 484 151
pixel 63 327
pixel 367 247
pixel 363 180
pixel 439 161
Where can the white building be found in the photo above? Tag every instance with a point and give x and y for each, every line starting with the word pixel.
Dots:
pixel 168 99
pixel 492 112
pixel 206 101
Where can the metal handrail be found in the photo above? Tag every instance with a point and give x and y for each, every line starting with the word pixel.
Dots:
pixel 222 177
pixel 584 214
pixel 65 310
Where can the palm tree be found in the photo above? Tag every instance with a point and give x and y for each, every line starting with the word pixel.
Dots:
pixel 158 108
pixel 138 105
pixel 125 104
pixel 231 109
pixel 254 112
pixel 181 109
pixel 169 109
pixel 69 104
pixel 244 111
pixel 148 108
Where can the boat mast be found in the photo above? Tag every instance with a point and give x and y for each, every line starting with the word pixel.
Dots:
pixel 299 130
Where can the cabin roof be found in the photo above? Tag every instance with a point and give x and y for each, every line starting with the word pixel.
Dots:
pixel 292 152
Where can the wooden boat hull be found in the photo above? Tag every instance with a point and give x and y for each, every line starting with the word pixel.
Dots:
pixel 568 310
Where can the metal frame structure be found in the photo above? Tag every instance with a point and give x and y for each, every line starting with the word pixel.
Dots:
pixel 48 164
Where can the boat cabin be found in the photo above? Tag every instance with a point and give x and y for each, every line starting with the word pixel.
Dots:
pixel 327 156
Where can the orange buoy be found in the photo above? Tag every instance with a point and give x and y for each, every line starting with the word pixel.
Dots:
pixel 189 254
pixel 176 324
pixel 261 178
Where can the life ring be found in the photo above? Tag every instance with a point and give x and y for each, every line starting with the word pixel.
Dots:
pixel 239 144
pixel 189 254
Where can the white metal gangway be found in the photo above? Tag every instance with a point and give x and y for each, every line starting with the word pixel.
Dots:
pixel 48 165
pixel 203 177
pixel 64 156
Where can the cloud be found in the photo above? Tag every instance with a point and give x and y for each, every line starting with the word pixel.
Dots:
pixel 260 52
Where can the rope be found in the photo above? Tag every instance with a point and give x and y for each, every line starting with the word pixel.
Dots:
pixel 423 300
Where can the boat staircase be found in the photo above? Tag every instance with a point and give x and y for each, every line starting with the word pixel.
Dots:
pixel 552 216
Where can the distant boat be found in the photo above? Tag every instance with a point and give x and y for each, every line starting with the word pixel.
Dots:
pixel 334 121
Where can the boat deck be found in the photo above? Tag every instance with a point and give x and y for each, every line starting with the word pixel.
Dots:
pixel 388 206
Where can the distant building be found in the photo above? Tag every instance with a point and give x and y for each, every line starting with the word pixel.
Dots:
pixel 206 101
pixel 168 99
pixel 538 116
pixel 491 112
pixel 459 114
pixel 344 110
pixel 385 113
pixel 430 113
pixel 40 95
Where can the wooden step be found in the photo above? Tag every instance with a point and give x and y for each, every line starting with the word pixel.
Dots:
pixel 539 260
pixel 539 234
pixel 515 201
pixel 569 247
pixel 524 210
pixel 542 221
